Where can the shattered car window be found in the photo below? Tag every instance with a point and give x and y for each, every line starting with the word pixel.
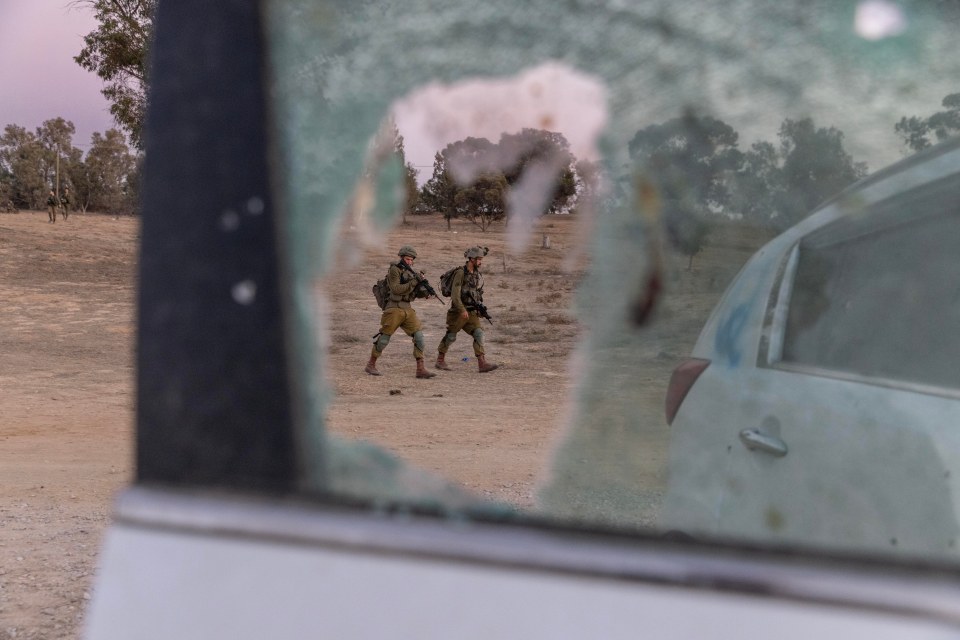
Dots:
pixel 618 165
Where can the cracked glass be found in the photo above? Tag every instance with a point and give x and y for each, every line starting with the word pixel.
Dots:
pixel 648 182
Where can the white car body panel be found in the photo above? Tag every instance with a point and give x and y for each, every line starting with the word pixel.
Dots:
pixel 199 568
pixel 870 463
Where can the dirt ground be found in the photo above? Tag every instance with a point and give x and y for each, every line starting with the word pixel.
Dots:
pixel 490 433
pixel 66 409
pixel 67 380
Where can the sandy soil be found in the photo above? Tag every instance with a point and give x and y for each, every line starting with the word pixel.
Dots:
pixel 66 406
pixel 489 432
pixel 66 409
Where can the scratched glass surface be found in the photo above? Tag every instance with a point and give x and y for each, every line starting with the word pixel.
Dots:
pixel 694 135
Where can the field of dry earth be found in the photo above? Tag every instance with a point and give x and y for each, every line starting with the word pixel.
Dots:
pixel 67 380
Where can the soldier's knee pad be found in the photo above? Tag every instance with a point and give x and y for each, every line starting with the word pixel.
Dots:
pixel 450 337
pixel 382 342
pixel 418 340
pixel 477 336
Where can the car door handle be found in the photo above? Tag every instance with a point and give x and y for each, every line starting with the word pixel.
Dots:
pixel 754 439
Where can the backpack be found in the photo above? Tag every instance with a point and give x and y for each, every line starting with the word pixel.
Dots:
pixel 446 281
pixel 381 291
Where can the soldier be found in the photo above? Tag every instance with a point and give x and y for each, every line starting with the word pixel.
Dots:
pixel 65 201
pixel 466 293
pixel 53 203
pixel 398 312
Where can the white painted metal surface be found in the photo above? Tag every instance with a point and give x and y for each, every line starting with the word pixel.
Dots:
pixel 190 567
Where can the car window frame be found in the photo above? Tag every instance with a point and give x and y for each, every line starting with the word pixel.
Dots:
pixel 851 217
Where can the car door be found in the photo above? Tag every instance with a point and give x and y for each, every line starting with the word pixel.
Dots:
pixel 845 439
pixel 859 474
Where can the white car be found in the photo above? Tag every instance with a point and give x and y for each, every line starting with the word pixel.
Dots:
pixel 821 405
pixel 246 521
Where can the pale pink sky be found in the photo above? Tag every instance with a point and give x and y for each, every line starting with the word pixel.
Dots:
pixel 38 78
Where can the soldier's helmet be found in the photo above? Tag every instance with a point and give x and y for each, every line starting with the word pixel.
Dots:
pixel 476 252
pixel 407 250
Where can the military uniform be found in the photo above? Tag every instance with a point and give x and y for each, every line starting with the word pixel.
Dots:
pixel 65 201
pixel 400 314
pixel 466 291
pixel 53 203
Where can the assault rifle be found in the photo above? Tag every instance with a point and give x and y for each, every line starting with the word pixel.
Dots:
pixel 479 307
pixel 422 282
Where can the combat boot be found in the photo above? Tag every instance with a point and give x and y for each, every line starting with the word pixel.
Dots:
pixel 371 367
pixel 441 363
pixel 422 370
pixel 483 366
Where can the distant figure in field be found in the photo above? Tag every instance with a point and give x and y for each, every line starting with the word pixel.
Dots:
pixel 53 203
pixel 65 201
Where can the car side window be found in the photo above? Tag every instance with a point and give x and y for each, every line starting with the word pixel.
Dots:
pixel 878 298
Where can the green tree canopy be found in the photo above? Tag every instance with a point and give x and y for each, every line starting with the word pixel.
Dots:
pixel 22 159
pixel 920 133
pixel 484 200
pixel 474 177
pixel 411 190
pixel 117 51
pixel 688 157
pixel 587 174
pixel 699 171
pixel 454 169
pixel 56 139
pixel 105 181
pixel 36 162
pixel 439 189
pixel 6 190
pixel 547 150
pixel 814 167
pixel 756 183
